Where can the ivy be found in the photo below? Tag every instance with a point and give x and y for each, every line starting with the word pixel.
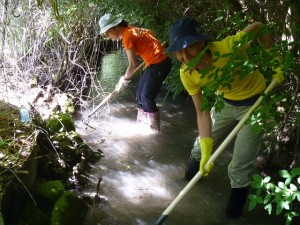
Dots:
pixel 283 197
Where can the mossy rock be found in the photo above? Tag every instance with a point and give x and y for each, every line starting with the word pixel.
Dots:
pixel 68 210
pixel 60 122
pixel 32 215
pixel 47 193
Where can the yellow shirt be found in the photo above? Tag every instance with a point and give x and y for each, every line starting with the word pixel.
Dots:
pixel 241 87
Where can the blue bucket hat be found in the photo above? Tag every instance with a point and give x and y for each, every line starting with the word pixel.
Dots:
pixel 183 33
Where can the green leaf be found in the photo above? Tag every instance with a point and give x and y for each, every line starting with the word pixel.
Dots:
pixel 278 196
pixel 259 200
pixel 269 207
pixel 267 179
pixel 282 185
pixel 295 172
pixel 284 174
pixel 290 198
pixel 288 181
pixel 288 219
pixel 257 181
pixel 194 61
pixel 270 187
pixel 267 198
pixel 252 197
pixel 293 187
pixel 286 205
pixel 298 196
pixel 258 192
pixel 279 207
pixel 252 205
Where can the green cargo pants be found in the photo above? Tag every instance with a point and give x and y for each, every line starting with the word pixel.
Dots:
pixel 245 146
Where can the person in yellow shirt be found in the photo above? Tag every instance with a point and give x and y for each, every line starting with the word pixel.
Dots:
pixel 140 41
pixel 206 62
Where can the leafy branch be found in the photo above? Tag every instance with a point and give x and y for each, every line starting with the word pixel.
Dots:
pixel 283 197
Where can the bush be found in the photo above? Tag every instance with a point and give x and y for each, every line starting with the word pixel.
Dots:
pixel 283 196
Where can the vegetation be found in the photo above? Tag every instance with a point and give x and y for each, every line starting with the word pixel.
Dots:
pixel 53 48
pixel 47 193
pixel 68 210
pixel 283 196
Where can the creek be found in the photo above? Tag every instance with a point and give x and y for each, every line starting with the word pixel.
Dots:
pixel 142 172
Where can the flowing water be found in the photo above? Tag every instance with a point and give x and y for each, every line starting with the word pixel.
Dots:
pixel 143 172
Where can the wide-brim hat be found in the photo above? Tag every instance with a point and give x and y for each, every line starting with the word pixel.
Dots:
pixel 183 33
pixel 108 21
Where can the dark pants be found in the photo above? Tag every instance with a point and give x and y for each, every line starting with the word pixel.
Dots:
pixel 150 84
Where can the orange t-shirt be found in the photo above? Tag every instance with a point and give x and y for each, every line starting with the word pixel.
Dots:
pixel 144 44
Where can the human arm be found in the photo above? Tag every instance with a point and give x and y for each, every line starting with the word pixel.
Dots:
pixel 204 128
pixel 132 63
pixel 265 39
pixel 203 117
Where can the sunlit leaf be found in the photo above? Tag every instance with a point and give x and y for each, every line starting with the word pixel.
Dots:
pixel 298 196
pixel 284 174
pixel 288 219
pixel 293 187
pixel 286 205
pixel 268 207
pixel 267 179
pixel 281 185
pixel 291 198
pixel 270 186
pixel 288 181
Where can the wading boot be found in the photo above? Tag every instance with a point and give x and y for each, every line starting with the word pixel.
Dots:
pixel 236 202
pixel 192 168
pixel 153 120
pixel 141 117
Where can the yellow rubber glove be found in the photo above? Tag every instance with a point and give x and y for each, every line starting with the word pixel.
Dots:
pixel 277 68
pixel 206 145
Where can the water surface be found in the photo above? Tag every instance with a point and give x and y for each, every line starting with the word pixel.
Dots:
pixel 143 172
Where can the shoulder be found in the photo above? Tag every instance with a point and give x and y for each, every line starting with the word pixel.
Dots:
pixel 229 42
pixel 254 27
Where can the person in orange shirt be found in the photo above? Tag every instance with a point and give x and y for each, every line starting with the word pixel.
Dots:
pixel 140 41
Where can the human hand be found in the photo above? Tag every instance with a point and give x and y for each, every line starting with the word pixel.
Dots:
pixel 206 145
pixel 122 82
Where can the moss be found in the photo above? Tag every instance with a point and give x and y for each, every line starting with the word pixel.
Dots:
pixel 68 210
pixel 47 193
pixel 60 122
pixel 34 216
